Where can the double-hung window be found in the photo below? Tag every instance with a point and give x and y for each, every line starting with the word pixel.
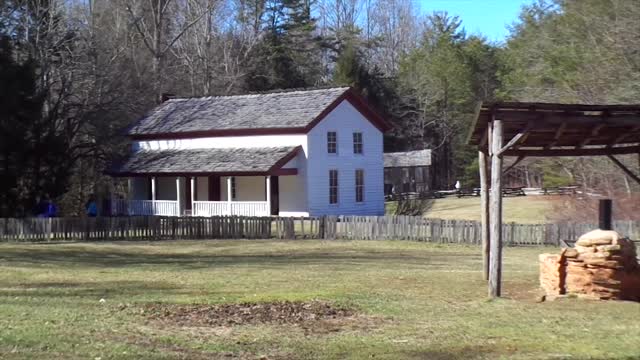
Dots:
pixel 332 142
pixel 359 185
pixel 357 143
pixel 333 186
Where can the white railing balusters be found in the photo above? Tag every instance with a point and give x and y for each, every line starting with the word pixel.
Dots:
pixel 239 208
pixel 200 208
pixel 146 207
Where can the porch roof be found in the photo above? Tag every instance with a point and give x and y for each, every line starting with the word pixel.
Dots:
pixel 227 162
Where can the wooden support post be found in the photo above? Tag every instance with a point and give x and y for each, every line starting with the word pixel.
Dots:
pixel 495 211
pixel 484 210
pixel 153 188
pixel 268 193
pixel 624 168
pixel 605 214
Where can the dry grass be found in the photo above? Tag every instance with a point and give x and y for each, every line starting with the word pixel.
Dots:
pixel 522 209
pixel 415 300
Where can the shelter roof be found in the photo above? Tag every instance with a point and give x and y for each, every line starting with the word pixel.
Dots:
pixel 546 129
pixel 407 158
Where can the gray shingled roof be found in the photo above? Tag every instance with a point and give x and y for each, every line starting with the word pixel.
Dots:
pixel 271 110
pixel 203 160
pixel 409 158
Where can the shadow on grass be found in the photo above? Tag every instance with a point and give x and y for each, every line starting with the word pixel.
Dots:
pixel 98 289
pixel 118 258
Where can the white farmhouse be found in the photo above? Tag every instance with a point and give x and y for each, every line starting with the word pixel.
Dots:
pixel 293 153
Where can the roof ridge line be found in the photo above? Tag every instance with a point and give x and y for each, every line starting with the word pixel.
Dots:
pixel 259 93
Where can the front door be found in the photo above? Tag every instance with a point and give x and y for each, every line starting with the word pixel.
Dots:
pixel 275 196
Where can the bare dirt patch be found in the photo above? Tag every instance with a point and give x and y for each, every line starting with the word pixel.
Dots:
pixel 313 316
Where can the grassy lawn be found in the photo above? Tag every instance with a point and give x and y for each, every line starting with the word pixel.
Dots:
pixel 413 300
pixel 521 209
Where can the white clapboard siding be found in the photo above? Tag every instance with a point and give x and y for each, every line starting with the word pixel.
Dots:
pixel 345 120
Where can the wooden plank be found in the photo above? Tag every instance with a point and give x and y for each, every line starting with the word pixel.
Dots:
pixel 484 211
pixel 594 133
pixel 558 134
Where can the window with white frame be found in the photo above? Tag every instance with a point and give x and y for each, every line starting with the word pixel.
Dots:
pixel 332 142
pixel 359 185
pixel 333 186
pixel 357 143
pixel 233 188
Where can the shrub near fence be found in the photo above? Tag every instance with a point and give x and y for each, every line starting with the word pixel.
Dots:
pixel 330 227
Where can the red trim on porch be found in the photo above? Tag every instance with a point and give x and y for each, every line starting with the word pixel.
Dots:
pixel 284 172
pixel 214 188
pixel 283 161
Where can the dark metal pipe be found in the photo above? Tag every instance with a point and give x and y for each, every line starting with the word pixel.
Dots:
pixel 605 214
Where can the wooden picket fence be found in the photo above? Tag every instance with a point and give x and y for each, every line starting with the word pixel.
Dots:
pixel 328 227
pixel 134 228
pixel 416 228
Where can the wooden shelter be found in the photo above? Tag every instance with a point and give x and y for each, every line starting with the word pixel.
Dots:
pixel 542 130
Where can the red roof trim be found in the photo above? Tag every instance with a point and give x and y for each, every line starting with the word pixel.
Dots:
pixel 355 99
pixel 225 173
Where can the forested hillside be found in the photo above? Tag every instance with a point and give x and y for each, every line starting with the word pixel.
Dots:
pixel 76 73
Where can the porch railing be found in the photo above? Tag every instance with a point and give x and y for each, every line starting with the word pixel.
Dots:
pixel 146 207
pixel 240 208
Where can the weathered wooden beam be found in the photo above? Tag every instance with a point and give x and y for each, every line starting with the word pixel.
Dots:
pixel 557 135
pixel 495 212
pixel 594 132
pixel 624 135
pixel 484 210
pixel 515 163
pixel 602 151
pixel 518 138
pixel 624 168
pixel 579 119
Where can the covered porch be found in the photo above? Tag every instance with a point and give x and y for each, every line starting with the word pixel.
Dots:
pixel 206 182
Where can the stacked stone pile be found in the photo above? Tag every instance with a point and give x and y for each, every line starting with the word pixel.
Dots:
pixel 602 265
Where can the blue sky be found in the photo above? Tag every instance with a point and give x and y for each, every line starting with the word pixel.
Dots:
pixel 488 17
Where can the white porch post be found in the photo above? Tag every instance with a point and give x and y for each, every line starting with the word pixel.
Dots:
pixel 193 198
pixel 229 193
pixel 129 188
pixel 127 204
pixel 268 191
pixel 178 195
pixel 153 188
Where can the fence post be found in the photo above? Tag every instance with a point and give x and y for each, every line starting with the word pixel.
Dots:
pixel 321 227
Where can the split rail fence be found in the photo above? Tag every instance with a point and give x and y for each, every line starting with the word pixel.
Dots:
pixel 238 227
